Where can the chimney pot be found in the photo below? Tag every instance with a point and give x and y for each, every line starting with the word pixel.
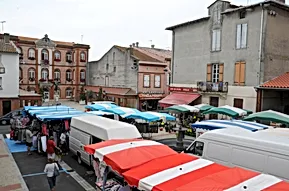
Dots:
pixel 130 46
pixel 6 37
pixel 137 43
pixel 153 46
pixel 133 44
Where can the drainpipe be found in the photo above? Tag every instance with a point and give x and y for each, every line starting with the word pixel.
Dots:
pixel 261 45
pixel 172 60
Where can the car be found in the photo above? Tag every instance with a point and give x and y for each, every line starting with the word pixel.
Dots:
pixel 5 119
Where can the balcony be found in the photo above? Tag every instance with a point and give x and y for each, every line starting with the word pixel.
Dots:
pixel 44 63
pixel 221 87
pixel 82 81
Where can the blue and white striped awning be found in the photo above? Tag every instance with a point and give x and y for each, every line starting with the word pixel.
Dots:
pixel 219 124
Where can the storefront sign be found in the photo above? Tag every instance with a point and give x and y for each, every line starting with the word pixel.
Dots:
pixel 151 96
pixel 183 89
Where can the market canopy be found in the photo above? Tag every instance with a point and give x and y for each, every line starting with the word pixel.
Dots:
pixel 219 124
pixel 125 154
pixel 52 111
pixel 203 107
pixel 269 115
pixel 99 113
pixel 59 116
pixel 184 172
pixel 227 110
pixel 178 99
pixel 56 107
pixel 183 108
pixel 102 106
pixel 151 116
pixel 122 111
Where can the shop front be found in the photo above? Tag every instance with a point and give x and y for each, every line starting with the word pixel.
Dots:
pixel 181 95
pixel 148 101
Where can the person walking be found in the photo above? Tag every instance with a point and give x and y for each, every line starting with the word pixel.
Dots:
pixel 52 171
pixel 29 138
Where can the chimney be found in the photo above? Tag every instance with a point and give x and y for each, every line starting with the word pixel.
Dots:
pixel 153 46
pixel 130 46
pixel 136 44
pixel 6 38
pixel 133 44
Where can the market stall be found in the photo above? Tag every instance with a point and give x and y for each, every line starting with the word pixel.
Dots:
pixel 183 108
pixel 269 115
pixel 183 172
pixel 125 154
pixel 208 125
pixel 55 107
pixel 203 107
pixel 100 107
pixel 228 111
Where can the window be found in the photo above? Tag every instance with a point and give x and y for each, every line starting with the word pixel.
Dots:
pixel 1 86
pixel 113 57
pixel 216 40
pixel 57 56
pixel 106 83
pixel 82 75
pixel 238 103
pixel 241 36
pixel 31 53
pixel 157 81
pixel 242 14
pixel 68 57
pixel 82 57
pixel 2 68
pixel 114 69
pixel 44 74
pixel 107 66
pixel 197 148
pixel 146 81
pixel 68 75
pixel 57 74
pixel 240 73
pixel 44 54
pixel 68 92
pixel 217 15
pixel 20 73
pixel 215 72
pixel 31 73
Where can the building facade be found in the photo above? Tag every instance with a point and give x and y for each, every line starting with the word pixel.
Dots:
pixel 9 77
pixel 231 51
pixel 44 61
pixel 131 76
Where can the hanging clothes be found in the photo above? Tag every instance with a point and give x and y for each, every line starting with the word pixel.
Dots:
pixel 34 141
pixel 55 137
pixel 43 143
pixel 66 124
pixel 44 129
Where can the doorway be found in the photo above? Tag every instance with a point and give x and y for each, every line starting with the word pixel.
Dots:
pixel 214 101
pixel 6 107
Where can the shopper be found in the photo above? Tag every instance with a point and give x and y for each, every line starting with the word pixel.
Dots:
pixel 52 171
pixel 29 138
pixel 63 144
pixel 51 146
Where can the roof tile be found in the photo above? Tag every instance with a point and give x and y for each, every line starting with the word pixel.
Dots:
pixel 278 82
pixel 7 47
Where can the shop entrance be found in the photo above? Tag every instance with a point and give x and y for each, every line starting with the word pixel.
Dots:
pixel 6 107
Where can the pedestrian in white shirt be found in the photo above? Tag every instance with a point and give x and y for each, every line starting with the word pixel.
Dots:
pixel 50 169
pixel 63 144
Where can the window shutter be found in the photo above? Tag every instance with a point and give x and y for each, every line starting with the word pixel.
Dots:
pixel 238 36
pixel 237 73
pixel 244 35
pixel 209 72
pixel 242 73
pixel 221 72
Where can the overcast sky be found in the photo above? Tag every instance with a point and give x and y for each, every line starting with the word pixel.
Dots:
pixel 103 23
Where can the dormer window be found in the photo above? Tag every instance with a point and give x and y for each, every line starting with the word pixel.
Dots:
pixel 69 57
pixel 242 14
pixel 217 15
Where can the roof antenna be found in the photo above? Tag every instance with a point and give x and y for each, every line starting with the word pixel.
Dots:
pixel 151 42
pixel 82 38
pixel 2 22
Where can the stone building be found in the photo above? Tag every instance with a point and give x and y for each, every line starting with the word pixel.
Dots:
pixel 226 54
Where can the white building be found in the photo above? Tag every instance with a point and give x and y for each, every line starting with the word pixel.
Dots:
pixel 9 76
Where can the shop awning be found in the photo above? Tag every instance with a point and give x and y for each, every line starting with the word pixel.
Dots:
pixel 178 99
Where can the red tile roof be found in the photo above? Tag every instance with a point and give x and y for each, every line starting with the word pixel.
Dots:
pixel 278 82
pixel 7 47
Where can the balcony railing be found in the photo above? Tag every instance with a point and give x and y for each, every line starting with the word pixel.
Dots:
pixel 213 87
pixel 44 63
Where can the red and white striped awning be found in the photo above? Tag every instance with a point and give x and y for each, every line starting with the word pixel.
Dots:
pixel 125 154
pixel 183 172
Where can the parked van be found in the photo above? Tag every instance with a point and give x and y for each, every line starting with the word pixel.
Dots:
pixel 90 129
pixel 257 151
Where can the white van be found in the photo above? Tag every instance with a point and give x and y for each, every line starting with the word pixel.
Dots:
pixel 257 151
pixel 90 129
